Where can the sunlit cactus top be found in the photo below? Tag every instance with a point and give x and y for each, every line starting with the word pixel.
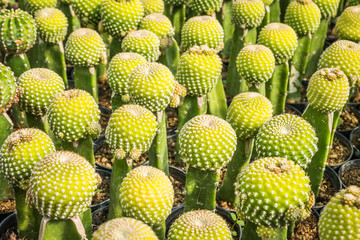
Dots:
pixel 143 42
pixel 152 85
pixel 207 142
pixel 62 185
pixel 73 114
pixel 281 39
pixel 248 111
pixel 199 70
pixel 120 68
pixel 175 2
pixel 200 224
pixel 20 153
pixel 17 31
pixel 303 16
pixel 147 194
pixel 124 229
pixel 37 88
pixel 287 136
pixel 85 47
pixel 130 131
pixel 32 6
pixel 88 11
pixel 119 17
pixel 340 217
pixel 328 8
pixel 51 24
pixel 8 88
pixel 328 90
pixel 247 13
pixel 205 6
pixel 202 30
pixel 274 192
pixel 153 6
pixel 345 55
pixel 348 24
pixel 255 63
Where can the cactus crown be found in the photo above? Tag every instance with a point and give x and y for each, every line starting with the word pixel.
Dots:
pixel 21 151
pixel 205 6
pixel 51 24
pixel 287 136
pixel 32 6
pixel 62 185
pixel 88 11
pixel 35 84
pixel 124 229
pixel 153 6
pixel 328 90
pixel 328 8
pixel 247 13
pixel 8 88
pixel 200 224
pixel 207 142
pixel 348 24
pixel 147 194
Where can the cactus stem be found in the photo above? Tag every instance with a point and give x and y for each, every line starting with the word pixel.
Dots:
pixel 116 101
pixel 55 60
pixel 85 78
pixel 177 19
pixel 73 20
pixel 159 229
pixel 35 121
pixel 249 232
pixel 275 11
pixel 191 107
pixel 19 117
pixel 171 57
pixel 228 26
pixel 18 63
pixel 216 100
pixel 85 149
pixel 266 19
pixel 283 6
pixel 115 47
pixel 6 127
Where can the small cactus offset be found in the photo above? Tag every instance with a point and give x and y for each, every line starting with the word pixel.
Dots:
pixel 32 6
pixel 348 24
pixel 199 224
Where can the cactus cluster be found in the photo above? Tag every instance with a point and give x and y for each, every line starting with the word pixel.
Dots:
pixel 8 89
pixel 51 24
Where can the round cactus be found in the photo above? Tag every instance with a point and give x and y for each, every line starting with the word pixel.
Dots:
pixel 17 31
pixel 288 199
pixel 175 2
pixel 51 24
pixel 247 13
pixel 348 24
pixel 127 228
pixel 287 136
pixel 200 224
pixel 255 64
pixel 73 114
pixel 147 194
pixel 8 88
pixel 88 11
pixel 281 39
pixel 153 6
pixel 130 131
pixel 339 219
pixel 328 8
pixel 21 151
pixel 303 16
pixel 120 68
pixel 207 142
pixel 119 17
pixel 144 42
pixel 38 86
pixel 62 185
pixel 199 70
pixel 345 55
pixel 152 85
pixel 206 6
pixel 202 30
pixel 328 90
pixel 32 6
pixel 85 47
pixel 248 112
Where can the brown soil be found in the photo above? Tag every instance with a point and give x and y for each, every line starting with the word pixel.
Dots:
pixel 172 160
pixel 221 203
pixel 338 153
pixel 350 120
pixel 356 140
pixel 103 191
pixel 179 191
pixel 172 118
pixel 104 119
pixel 326 192
pixel 104 94
pixel 307 229
pixel 351 177
pixel 8 205
pixel 355 98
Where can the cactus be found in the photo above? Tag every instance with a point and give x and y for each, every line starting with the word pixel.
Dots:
pixel 175 10
pixel 130 228
pixel 337 218
pixel 353 2
pixel 32 6
pixel 74 23
pixel 247 113
pixel 282 40
pixel 147 194
pixel 348 24
pixel 85 49
pixel 88 12
pixel 120 68
pixel 200 224
pixel 153 6
pixel 224 17
pixel 130 131
pixel 205 6
pixel 304 17
pixel 246 15
pixel 289 199
pixel 68 197
pixel 206 143
pixel 266 19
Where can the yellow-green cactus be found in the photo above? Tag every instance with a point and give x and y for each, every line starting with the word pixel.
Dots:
pixel 88 11
pixel 247 13
pixel 205 6
pixel 153 6
pixel 51 24
pixel 8 89
pixel 32 6
pixel 348 24
pixel 175 2
pixel 328 8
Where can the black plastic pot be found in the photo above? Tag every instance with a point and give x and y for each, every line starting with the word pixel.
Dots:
pixel 355 142
pixel 7 223
pixel 343 140
pixel 347 133
pixel 348 166
pixel 103 174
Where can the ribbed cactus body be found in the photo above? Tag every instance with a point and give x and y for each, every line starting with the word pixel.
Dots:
pixel 8 88
pixel 205 6
pixel 126 228
pixel 328 8
pixel 287 136
pixel 247 13
pixel 147 194
pixel 153 6
pixel 62 185
pixel 200 224
pixel 38 86
pixel 32 6
pixel 51 24
pixel 88 11
pixel 160 25
pixel 21 151
pixel 348 24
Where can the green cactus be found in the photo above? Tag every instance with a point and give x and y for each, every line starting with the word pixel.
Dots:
pixel 73 21
pixel 86 49
pixel 32 6
pixel 153 6
pixel 129 228
pixel 353 2
pixel 338 219
pixel 205 6
pixel 130 131
pixel 175 10
pixel 348 24
pixel 200 224
pixel 270 209
pixel 175 2
pixel 147 194
pixel 88 12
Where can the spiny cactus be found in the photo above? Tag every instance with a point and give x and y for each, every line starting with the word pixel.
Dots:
pixel 32 6
pixel 88 12
pixel 328 8
pixel 175 2
pixel 247 13
pixel 205 6
pixel 200 224
pixel 153 6
pixel 127 228
pixel 348 24
pixel 8 89
pixel 340 216
pixel 51 24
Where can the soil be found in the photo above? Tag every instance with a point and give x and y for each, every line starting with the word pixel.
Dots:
pixel 351 177
pixel 104 94
pixel 307 229
pixel 289 110
pixel 172 160
pixel 355 98
pixel 103 191
pixel 8 205
pixel 179 191
pixel 350 120
pixel 356 140
pixel 172 118
pixel 104 119
pixel 221 203
pixel 326 192
pixel 338 153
